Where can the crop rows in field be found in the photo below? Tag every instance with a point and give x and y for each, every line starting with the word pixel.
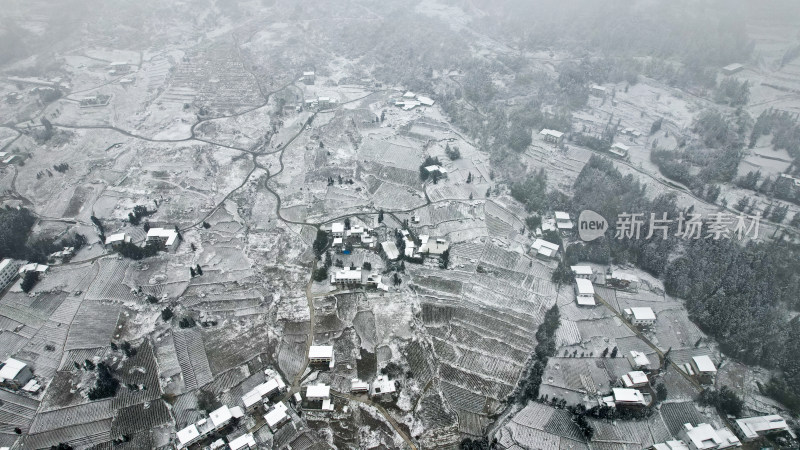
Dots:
pixel 73 415
pixel 291 356
pixel 389 154
pixel 141 370
pixel 93 326
pixel 16 411
pixel 46 361
pixel 108 285
pixel 82 435
pixel 192 358
pixel 677 414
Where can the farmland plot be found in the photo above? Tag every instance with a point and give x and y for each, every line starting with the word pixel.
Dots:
pixel 16 411
pixel 108 285
pixel 192 358
pixel 253 337
pixel 93 326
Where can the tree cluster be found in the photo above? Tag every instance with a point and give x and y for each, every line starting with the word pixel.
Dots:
pixel 531 380
pixel 106 385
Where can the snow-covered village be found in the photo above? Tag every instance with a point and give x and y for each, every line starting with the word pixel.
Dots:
pixel 435 224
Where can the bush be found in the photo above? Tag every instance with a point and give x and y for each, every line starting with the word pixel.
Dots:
pixel 167 314
pixel 29 281
pixel 320 242
pixel 321 274
pixel 133 251
pixel 724 399
pixel 187 322
pixel 106 385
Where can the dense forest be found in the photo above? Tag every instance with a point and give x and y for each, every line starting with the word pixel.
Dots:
pixel 739 294
pixel 16 243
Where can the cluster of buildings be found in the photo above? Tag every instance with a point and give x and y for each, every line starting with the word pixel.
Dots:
pixel 382 388
pixel 705 437
pixel 276 415
pixel 167 238
pixel 215 421
pixel 426 247
pixel 10 269
pixel 320 102
pixel 62 255
pixel 795 181
pixel 410 100
pixel 358 234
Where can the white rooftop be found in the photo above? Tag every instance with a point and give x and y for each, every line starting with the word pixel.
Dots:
pixel 582 270
pixel 220 416
pixel 425 100
pixel 561 215
pixel 275 415
pixel 169 234
pixel 704 436
pixel 643 313
pixel 11 369
pixel 628 395
pixel 704 364
pixel 33 267
pixel 617 275
pixel 584 286
pixel 390 249
pixel 539 243
pixel 671 445
pixel 634 378
pixel 621 146
pixel 237 412
pixel 188 434
pixel 347 274
pixel 337 227
pixel 751 426
pixel 119 237
pixel 274 383
pixel 383 385
pixel 318 391
pixel 320 351
pixel 243 441
pixel 554 133
pixel 356 385
pixel 640 359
